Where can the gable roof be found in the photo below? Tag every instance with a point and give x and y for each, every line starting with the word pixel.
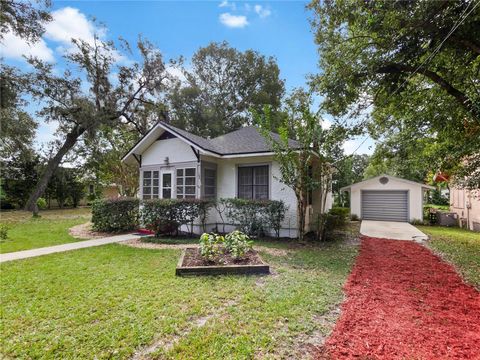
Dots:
pixel 244 141
pixel 345 188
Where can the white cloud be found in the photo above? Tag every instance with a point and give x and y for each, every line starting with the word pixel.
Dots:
pixel 261 11
pixel 227 4
pixel 233 21
pixel 69 23
pixel 355 145
pixel 14 47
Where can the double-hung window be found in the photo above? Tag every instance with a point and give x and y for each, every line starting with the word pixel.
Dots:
pixel 150 184
pixel 186 183
pixel 210 183
pixel 253 182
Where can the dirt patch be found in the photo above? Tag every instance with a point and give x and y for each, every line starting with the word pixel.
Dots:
pixel 194 258
pixel 403 302
pixel 273 251
pixel 84 231
pixel 138 243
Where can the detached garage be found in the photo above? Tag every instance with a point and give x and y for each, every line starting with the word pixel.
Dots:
pixel 387 198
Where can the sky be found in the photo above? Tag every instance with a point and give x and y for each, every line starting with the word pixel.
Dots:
pixel 178 28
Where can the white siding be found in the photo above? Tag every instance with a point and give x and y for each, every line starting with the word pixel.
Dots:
pixel 176 150
pixel 415 194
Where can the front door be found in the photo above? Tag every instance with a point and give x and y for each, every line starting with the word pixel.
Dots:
pixel 167 184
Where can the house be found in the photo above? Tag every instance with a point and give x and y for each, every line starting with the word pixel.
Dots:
pixel 177 164
pixel 387 198
pixel 464 203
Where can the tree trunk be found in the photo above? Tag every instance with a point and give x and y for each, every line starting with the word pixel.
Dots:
pixel 52 165
pixel 301 209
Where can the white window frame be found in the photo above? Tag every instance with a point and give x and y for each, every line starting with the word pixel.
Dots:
pixel 183 186
pixel 172 184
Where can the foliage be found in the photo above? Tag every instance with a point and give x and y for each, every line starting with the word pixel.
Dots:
pixel 437 198
pixel 336 218
pixel 211 245
pixel 237 244
pixel 304 167
pixel 348 170
pixel 24 19
pixel 220 86
pixel 254 217
pixel 4 232
pixel 114 215
pixel 354 217
pixel 42 203
pixel 95 90
pixel 165 216
pixel 421 79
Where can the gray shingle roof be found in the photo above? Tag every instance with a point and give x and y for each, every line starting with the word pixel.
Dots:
pixel 242 141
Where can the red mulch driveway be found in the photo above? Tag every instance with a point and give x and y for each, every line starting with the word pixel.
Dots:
pixel 403 302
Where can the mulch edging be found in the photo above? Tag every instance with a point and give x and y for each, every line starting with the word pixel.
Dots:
pixel 405 302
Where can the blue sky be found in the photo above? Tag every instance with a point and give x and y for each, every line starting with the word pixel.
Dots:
pixel 280 29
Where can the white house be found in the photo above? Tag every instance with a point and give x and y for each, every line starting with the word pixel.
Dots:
pixel 177 164
pixel 387 198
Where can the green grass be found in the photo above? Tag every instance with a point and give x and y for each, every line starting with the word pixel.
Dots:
pixel 460 247
pixel 50 229
pixel 110 301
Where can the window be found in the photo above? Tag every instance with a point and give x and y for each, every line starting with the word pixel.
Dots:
pixel 186 183
pixel 210 183
pixel 253 182
pixel 167 185
pixel 150 185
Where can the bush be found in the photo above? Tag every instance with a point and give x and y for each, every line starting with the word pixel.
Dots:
pixel 354 217
pixel 238 244
pixel 41 203
pixel 113 215
pixel 337 217
pixel 165 216
pixel 211 245
pixel 254 217
pixel 3 232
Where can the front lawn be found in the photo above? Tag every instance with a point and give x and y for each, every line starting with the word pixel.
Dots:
pixel 460 247
pixel 113 301
pixel 50 229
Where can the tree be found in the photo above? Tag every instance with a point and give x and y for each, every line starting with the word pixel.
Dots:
pixel 349 170
pixel 307 168
pixel 24 18
pixel 17 128
pixel 221 87
pixel 401 58
pixel 80 113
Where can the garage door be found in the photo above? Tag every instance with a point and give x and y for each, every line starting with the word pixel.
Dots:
pixel 385 205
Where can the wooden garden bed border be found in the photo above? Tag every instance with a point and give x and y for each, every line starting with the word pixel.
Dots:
pixel 220 269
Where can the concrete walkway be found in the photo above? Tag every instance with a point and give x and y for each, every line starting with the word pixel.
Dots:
pixel 25 254
pixel 391 230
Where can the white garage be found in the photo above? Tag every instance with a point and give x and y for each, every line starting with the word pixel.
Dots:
pixel 387 198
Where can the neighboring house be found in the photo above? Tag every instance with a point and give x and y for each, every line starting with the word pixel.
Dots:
pixel 466 204
pixel 177 164
pixel 387 198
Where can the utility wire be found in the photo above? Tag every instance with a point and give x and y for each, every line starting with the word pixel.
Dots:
pixel 433 54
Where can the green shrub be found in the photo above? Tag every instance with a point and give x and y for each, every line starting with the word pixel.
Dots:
pixel 238 244
pixel 254 217
pixel 354 217
pixel 114 215
pixel 41 203
pixel 4 232
pixel 165 216
pixel 211 245
pixel 337 217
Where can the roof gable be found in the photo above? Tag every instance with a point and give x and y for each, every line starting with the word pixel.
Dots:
pixel 246 140
pixel 389 177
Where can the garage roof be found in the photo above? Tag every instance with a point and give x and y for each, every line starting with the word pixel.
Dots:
pixel 424 186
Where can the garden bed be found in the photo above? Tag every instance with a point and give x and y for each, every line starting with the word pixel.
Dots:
pixel 192 263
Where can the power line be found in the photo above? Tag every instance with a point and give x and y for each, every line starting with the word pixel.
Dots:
pixel 462 18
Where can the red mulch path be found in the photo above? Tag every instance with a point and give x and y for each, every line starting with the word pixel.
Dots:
pixel 403 302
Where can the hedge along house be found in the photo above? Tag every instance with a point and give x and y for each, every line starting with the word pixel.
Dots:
pixel 387 198
pixel 175 164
